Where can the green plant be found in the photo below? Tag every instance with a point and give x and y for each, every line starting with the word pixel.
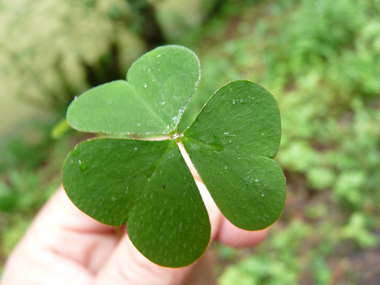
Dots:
pixel 147 183
pixel 322 68
pixel 66 49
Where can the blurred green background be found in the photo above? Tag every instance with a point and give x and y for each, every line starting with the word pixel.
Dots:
pixel 320 59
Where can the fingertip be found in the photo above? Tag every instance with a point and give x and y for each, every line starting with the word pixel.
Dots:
pixel 233 236
pixel 128 266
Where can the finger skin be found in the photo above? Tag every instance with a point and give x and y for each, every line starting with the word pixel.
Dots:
pixel 61 244
pixel 231 235
pixel 65 246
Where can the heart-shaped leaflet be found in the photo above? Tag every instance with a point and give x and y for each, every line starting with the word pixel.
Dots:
pixel 231 144
pixel 147 183
pixel 159 86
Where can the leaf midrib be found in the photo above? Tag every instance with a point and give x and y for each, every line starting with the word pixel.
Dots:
pixel 170 145
pixel 205 144
pixel 152 111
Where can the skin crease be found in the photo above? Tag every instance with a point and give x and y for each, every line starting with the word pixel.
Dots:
pixel 65 246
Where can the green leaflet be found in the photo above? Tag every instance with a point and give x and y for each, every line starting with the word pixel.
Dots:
pixel 159 86
pixel 231 144
pixel 147 183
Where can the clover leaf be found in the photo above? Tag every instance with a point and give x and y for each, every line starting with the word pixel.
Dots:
pixel 147 184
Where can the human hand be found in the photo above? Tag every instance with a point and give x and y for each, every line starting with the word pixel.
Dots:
pixel 65 246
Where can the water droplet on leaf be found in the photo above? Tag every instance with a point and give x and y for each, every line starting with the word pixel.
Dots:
pixel 163 103
pixel 82 165
pixel 145 85
pixel 75 151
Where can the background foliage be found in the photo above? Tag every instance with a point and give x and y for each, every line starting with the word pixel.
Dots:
pixel 321 61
